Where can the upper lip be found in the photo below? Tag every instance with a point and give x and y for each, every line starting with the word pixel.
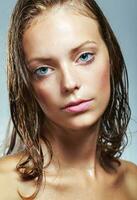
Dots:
pixel 74 103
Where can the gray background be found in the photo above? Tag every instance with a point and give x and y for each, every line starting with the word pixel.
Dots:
pixel 122 16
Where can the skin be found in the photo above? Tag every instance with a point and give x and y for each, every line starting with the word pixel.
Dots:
pixel 69 79
pixel 72 135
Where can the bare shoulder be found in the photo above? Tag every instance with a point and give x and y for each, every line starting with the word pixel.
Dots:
pixel 130 177
pixel 8 163
pixel 130 169
pixel 9 176
pixel 13 159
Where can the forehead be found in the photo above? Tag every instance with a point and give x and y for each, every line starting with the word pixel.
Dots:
pixel 76 7
pixel 66 11
pixel 60 27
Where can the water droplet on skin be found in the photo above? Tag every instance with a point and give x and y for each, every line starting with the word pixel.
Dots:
pixel 89 172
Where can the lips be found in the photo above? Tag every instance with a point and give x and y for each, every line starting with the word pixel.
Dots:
pixel 77 106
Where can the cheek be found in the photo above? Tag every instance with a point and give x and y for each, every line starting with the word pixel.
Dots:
pixel 104 86
pixel 105 79
pixel 43 93
pixel 99 78
pixel 42 96
pixel 101 82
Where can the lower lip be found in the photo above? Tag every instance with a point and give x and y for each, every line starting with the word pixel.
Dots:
pixel 79 108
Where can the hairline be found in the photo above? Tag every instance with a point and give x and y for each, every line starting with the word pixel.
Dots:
pixel 77 10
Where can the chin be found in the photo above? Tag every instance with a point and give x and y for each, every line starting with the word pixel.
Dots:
pixel 81 123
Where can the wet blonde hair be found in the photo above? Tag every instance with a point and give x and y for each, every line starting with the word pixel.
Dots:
pixel 26 114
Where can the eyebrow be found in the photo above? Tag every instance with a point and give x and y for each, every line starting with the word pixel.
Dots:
pixel 81 45
pixel 72 51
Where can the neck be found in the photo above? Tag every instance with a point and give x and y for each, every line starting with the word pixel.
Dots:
pixel 74 148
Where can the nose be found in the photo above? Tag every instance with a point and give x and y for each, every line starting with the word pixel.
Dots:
pixel 69 81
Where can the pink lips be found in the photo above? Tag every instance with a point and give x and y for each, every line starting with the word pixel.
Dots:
pixel 78 106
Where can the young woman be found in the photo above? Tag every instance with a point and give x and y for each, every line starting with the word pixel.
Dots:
pixel 68 92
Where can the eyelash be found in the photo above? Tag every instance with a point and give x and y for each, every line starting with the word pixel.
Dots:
pixel 89 60
pixel 41 71
pixel 38 72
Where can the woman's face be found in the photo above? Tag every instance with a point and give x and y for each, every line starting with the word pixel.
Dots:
pixel 69 65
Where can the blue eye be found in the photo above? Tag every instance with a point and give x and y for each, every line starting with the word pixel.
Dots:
pixel 42 71
pixel 86 57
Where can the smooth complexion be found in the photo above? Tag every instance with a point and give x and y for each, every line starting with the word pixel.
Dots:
pixel 68 61
pixel 69 66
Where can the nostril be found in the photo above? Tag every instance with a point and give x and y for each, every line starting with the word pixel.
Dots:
pixel 69 81
pixel 68 88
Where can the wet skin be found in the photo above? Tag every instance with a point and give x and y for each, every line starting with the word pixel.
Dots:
pixel 61 73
